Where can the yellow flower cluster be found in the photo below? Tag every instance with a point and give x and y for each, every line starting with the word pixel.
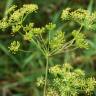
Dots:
pixel 52 92
pixel 37 31
pixel 55 70
pixel 3 23
pixel 15 28
pixel 81 16
pixel 28 27
pixel 77 15
pixel 67 81
pixel 14 46
pixel 50 26
pixel 58 40
pixel 28 36
pixel 80 39
pixel 29 8
pixel 91 84
pixel 32 32
pixel 16 16
pixel 26 9
pixel 40 81
pixel 66 14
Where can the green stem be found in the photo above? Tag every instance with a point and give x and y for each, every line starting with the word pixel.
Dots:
pixel 43 43
pixel 46 75
pixel 8 4
pixel 68 44
pixel 90 6
pixel 80 28
pixel 29 51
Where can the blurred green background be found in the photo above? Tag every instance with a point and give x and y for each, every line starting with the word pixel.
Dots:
pixel 18 72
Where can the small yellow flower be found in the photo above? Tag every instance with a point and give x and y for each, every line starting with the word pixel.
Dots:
pixel 14 46
pixel 80 40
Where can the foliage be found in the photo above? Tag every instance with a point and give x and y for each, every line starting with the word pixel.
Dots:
pixel 81 16
pixel 37 41
pixel 67 81
pixel 56 43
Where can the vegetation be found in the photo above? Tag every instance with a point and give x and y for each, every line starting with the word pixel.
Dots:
pixel 65 81
pixel 52 58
